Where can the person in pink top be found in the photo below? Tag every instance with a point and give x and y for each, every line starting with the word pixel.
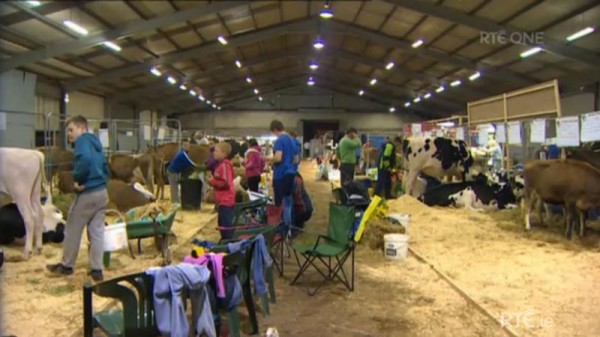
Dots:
pixel 254 163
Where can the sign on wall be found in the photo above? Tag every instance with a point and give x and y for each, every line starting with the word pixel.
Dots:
pixel 514 133
pixel 567 131
pixel 500 133
pixel 590 127
pixel 538 131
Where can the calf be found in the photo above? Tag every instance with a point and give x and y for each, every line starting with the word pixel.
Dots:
pixel 471 194
pixel 12 225
pixel 572 183
pixel 435 157
pixel 21 177
pixel 124 197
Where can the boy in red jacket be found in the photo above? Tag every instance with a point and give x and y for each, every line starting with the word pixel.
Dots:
pixel 222 182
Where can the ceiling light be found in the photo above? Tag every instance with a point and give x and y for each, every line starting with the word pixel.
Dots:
pixel 417 43
pixel 183 87
pixel 256 91
pixel 326 12
pixel 201 98
pixel 446 124
pixel 311 81
pixel 319 44
pixel 238 63
pixel 373 81
pixel 389 66
pixel 260 98
pixel 208 102
pixel 112 45
pixel 34 3
pixel 75 27
pixel 417 100
pixel 530 52
pixel 440 89
pixel 219 108
pixel 192 92
pixel 214 106
pixel 248 79
pixel 171 80
pixel 66 98
pixel 314 65
pixel 455 83
pixel 222 40
pixel 579 34
pixel 474 76
pixel 392 109
pixel 155 72
pixel 360 93
pixel 427 95
pixel 407 104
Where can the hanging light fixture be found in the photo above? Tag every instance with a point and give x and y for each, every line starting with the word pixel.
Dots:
pixel 326 12
pixel 361 92
pixel 314 65
pixel 311 81
pixel 155 72
pixel 319 44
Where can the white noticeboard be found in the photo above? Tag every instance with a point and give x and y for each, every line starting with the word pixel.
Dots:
pixel 2 120
pixel 500 133
pixel 129 133
pixel 103 135
pixel 538 131
pixel 460 133
pixel 147 132
pixel 484 134
pixel 590 127
pixel 514 133
pixel 161 133
pixel 415 129
pixel 567 131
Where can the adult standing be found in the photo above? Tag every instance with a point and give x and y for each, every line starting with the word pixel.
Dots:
pixel 254 163
pixel 284 170
pixel 386 162
pixel 346 152
pixel 294 136
pixel 90 173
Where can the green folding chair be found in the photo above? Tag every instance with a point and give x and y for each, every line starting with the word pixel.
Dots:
pixel 332 250
pixel 136 318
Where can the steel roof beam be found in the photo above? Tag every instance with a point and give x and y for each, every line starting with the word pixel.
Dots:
pixel 487 25
pixel 61 49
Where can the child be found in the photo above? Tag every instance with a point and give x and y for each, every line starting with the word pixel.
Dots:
pixel 254 164
pixel 222 182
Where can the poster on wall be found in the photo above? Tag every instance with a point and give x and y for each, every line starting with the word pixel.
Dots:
pixel 161 133
pixel 103 135
pixel 416 129
pixel 147 133
pixel 2 120
pixel 483 132
pixel 590 127
pixel 514 133
pixel 460 133
pixel 538 131
pixel 500 133
pixel 567 131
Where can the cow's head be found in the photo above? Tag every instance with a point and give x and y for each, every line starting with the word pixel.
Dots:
pixel 54 223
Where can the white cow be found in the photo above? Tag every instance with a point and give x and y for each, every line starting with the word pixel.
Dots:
pixel 21 176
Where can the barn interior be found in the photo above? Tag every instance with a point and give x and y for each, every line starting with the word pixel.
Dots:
pixel 512 82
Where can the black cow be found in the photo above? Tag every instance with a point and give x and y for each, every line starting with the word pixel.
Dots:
pixel 12 227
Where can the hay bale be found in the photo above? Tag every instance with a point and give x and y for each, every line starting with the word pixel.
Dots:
pixel 377 228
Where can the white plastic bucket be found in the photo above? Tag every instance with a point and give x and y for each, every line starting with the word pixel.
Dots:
pixel 115 237
pixel 395 246
pixel 403 219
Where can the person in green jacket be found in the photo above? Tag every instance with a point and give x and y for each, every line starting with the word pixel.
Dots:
pixel 346 152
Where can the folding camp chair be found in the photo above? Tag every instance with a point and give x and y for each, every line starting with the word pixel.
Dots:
pixel 332 250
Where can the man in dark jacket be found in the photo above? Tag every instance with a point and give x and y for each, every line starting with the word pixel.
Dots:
pixel 90 174
pixel 386 162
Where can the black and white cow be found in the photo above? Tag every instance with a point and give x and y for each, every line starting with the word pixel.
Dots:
pixel 436 157
pixel 477 194
pixel 12 225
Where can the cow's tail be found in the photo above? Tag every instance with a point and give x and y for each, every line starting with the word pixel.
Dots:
pixel 44 183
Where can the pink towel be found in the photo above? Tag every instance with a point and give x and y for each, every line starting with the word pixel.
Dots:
pixel 217 265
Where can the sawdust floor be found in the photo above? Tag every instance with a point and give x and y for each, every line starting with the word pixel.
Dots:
pixel 489 256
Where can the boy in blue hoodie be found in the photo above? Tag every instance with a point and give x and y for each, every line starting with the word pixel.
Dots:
pixel 90 174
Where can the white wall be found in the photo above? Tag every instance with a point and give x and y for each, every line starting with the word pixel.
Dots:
pixel 577 104
pixel 258 121
pixel 89 106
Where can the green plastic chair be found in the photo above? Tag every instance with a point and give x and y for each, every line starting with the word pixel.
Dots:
pixel 135 319
pixel 240 262
pixel 332 250
pixel 244 209
pixel 269 233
